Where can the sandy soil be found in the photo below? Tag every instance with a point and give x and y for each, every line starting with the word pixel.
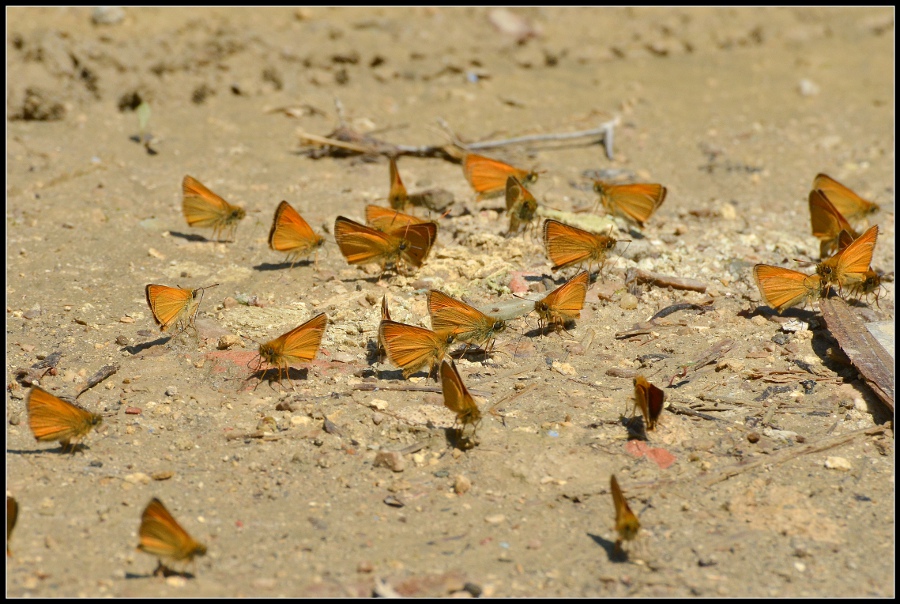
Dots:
pixel 734 111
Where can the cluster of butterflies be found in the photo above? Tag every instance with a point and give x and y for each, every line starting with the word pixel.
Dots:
pixel 832 208
pixel 396 240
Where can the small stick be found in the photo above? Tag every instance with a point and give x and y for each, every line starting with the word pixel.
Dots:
pixel 642 276
pixel 105 372
pixel 686 411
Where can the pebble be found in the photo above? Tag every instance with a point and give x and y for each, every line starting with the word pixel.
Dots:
pixel 137 478
pixel 563 368
pixel 108 15
pixel 462 484
pixel 393 460
pixel 228 341
pixel 171 391
pixel 628 302
pixel 838 463
pixel 495 518
pixel 379 404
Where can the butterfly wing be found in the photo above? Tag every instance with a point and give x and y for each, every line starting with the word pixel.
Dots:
pixel 388 220
pixel 854 260
pixel 488 176
pixel 302 343
pixel 397 198
pixel 566 301
pixel 167 303
pixel 848 203
pixel 567 245
pixel 162 536
pixel 449 314
pixel 419 239
pixel 635 202
pixel 291 233
pixel 52 418
pixel 782 288
pixel 361 244
pixel 627 524
pixel 456 395
pixel 410 347
pixel 203 208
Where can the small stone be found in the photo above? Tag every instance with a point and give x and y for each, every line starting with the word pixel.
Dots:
pixel 163 475
pixel 563 368
pixel 137 478
pixel 155 254
pixel 108 15
pixel 808 87
pixel 379 404
pixel 132 411
pixel 759 320
pixel 228 341
pixel 364 566
pixel 126 319
pixel 229 302
pixel 628 302
pixel 393 460
pixel 300 420
pixel 495 518
pixel 122 341
pixel 838 463
pixel 728 211
pixel 462 484
pixel 171 391
pixel 753 437
pixel 377 418
pixel 534 544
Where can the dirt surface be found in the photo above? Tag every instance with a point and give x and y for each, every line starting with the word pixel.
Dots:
pixel 735 111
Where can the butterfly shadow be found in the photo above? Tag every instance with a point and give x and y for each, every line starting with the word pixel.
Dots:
pixel 635 427
pixel 766 312
pixel 191 236
pixel 291 374
pixel 137 348
pixel 456 438
pixel 615 554
pixel 161 571
pixel 62 450
pixel 278 266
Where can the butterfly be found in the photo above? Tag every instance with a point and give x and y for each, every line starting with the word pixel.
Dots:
pixel 410 347
pixel 627 523
pixel 521 205
pixel 569 246
pixel 457 397
pixel 385 316
pixel 488 176
pixel 849 204
pixel 296 346
pixel 363 245
pixel 12 514
pixel 564 303
pixel 397 197
pixel 828 223
pixel 649 399
pixel 869 286
pixel 387 220
pixel 163 537
pixel 293 235
pixel 782 288
pixel 52 418
pixel 172 306
pixel 467 323
pixel 203 208
pixel 636 202
pixel 851 264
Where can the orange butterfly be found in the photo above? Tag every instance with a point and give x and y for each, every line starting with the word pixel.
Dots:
pixel 869 286
pixel 782 288
pixel 385 316
pixel 163 537
pixel 203 208
pixel 296 346
pixel 410 347
pixel 649 399
pixel 627 524
pixel 174 305
pixel 293 235
pixel 521 205
pixel 569 246
pixel 467 323
pixel 636 202
pixel 457 397
pixel 52 418
pixel 564 303
pixel 488 176
pixel 397 197
pixel 12 514
pixel 827 223
pixel 387 220
pixel 363 245
pixel 848 203
pixel 851 264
